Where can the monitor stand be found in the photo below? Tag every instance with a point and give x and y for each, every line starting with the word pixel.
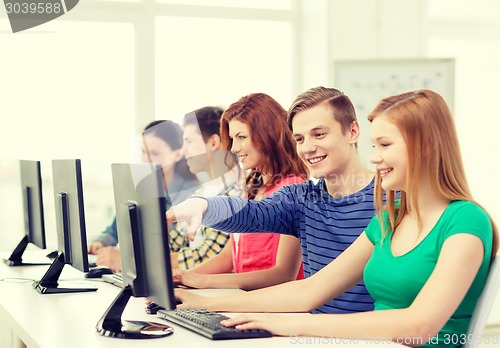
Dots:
pixel 16 258
pixel 111 324
pixel 49 284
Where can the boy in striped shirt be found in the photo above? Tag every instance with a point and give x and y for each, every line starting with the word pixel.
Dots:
pixel 327 214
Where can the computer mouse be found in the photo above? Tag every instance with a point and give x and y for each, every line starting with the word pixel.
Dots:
pixel 53 254
pixel 153 308
pixel 97 272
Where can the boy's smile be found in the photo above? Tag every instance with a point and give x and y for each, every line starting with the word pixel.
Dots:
pixel 320 142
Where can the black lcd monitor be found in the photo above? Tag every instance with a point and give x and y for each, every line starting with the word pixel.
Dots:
pixel 34 224
pixel 70 222
pixel 144 250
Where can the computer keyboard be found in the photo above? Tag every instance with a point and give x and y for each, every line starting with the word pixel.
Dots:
pixel 207 323
pixel 115 279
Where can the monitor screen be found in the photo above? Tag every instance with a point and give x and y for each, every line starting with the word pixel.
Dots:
pixel 70 213
pixel 34 224
pixel 70 222
pixel 144 249
pixel 31 185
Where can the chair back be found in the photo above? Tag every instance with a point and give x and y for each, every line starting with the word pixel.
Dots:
pixel 483 306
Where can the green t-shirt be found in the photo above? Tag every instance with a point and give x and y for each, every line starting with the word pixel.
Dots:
pixel 394 282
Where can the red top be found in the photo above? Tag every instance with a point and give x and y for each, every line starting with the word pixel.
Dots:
pixel 257 251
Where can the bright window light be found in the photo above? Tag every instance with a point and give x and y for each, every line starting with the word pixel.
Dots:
pixel 217 61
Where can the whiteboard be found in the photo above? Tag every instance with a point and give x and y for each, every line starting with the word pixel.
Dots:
pixel 366 82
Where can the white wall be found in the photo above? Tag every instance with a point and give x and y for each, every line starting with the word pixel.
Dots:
pixel 469 31
pixel 466 30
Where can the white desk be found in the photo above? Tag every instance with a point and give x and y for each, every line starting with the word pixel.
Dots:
pixel 29 319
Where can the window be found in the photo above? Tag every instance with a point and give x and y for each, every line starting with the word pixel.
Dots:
pixel 263 4
pixel 66 93
pixel 83 85
pixel 202 62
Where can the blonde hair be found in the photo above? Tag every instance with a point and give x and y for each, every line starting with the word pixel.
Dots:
pixel 428 129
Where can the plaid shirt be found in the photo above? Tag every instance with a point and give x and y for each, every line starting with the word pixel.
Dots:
pixel 212 240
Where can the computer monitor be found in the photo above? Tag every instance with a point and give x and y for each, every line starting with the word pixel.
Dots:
pixel 34 224
pixel 71 233
pixel 144 250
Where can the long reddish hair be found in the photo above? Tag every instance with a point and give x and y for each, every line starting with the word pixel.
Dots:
pixel 428 129
pixel 266 119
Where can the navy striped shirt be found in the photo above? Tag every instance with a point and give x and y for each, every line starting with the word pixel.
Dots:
pixel 326 226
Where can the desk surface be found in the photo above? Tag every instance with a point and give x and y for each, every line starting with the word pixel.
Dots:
pixel 68 320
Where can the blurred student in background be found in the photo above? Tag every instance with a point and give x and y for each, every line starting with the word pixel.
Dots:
pixel 220 176
pixel 162 143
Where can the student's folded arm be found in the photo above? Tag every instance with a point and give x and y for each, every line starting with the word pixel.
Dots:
pixel 220 263
pixel 197 278
pixel 288 261
pixel 202 275
pixel 287 266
